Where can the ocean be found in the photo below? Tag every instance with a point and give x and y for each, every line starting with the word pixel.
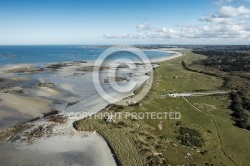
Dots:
pixel 51 54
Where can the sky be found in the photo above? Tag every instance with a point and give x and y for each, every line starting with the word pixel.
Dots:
pixel 76 22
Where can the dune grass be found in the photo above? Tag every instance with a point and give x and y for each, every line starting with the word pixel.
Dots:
pixel 140 142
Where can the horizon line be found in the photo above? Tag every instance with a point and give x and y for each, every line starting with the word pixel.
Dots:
pixel 124 44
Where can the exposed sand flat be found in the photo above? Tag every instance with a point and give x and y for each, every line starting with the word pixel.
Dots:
pixel 5 71
pixel 96 103
pixel 9 118
pixel 31 106
pixel 59 150
pixel 67 87
pixel 64 146
pixel 175 55
pixel 42 91
pixel 5 68
pixel 16 108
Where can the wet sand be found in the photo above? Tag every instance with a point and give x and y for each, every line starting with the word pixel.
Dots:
pixel 59 150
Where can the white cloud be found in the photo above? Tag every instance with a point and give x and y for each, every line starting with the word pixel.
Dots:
pixel 145 26
pixel 227 23
pixel 229 11
pixel 123 36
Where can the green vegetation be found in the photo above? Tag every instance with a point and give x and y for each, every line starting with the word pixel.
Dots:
pixel 240 106
pixel 131 139
pixel 232 66
pixel 225 60
pixel 206 131
pixel 190 137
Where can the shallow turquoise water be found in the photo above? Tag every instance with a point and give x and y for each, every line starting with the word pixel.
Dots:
pixel 49 54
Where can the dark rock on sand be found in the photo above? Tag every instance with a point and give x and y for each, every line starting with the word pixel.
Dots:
pixel 12 89
pixel 25 70
pixel 80 61
pixel 46 84
pixel 53 112
pixel 86 68
pixel 54 117
pixel 11 131
pixel 10 83
pixel 57 66
pixel 116 79
pixel 78 74
pixel 57 118
pixel 71 103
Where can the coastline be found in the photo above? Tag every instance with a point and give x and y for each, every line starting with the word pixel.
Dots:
pixel 93 104
pixel 176 55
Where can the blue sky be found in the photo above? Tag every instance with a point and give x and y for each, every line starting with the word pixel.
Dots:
pixel 124 22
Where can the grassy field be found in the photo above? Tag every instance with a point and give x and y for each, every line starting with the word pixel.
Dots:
pixel 140 142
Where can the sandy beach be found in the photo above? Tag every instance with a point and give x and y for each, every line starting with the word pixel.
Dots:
pixel 175 54
pixel 63 88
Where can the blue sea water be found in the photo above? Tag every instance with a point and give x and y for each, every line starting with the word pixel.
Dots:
pixel 50 54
